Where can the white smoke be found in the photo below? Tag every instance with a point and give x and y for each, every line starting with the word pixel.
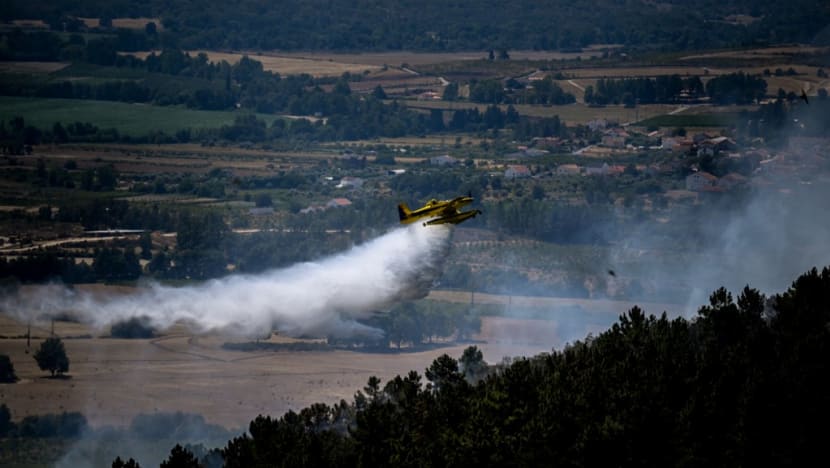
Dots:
pixel 324 297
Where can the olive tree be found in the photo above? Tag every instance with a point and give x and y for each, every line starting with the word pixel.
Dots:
pixel 52 356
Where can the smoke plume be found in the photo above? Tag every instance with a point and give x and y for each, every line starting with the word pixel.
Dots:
pixel 318 298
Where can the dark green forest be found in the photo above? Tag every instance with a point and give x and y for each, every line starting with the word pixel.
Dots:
pixel 461 25
pixel 742 383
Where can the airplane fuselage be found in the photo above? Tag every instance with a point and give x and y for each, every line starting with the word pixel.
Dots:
pixel 443 212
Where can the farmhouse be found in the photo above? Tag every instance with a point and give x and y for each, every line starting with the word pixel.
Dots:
pixel 516 171
pixel 700 181
pixel 338 203
pixel 713 146
pixel 603 170
pixel 677 145
pixel 333 203
pixel 597 124
pixel 567 169
pixel 614 138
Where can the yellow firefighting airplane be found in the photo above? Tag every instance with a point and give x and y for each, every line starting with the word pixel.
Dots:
pixel 444 211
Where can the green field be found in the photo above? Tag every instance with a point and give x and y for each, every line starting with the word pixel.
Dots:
pixel 128 119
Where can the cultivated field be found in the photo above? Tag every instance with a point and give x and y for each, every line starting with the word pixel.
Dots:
pixel 572 113
pixel 396 59
pixel 112 380
pixel 180 158
pixel 126 23
pixel 285 64
pixel 764 52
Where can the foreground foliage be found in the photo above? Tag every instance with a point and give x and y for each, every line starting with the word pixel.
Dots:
pixel 744 383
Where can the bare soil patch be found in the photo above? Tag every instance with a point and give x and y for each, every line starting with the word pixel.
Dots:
pixel 765 52
pixel 125 23
pixel 396 59
pixel 286 64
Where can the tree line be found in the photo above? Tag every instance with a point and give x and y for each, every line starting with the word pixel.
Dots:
pixel 643 90
pixel 733 88
pixel 544 92
pixel 436 26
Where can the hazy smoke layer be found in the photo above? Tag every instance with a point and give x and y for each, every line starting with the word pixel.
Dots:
pixel 775 238
pixel 323 297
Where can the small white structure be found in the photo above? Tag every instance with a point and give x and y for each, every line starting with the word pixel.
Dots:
pixel 350 182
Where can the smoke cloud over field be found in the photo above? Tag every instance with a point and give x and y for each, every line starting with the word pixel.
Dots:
pixel 775 237
pixel 322 297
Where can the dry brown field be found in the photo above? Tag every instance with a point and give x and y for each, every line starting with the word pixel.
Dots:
pixel 112 380
pixel 126 23
pixel 764 52
pixel 630 72
pixel 285 65
pixel 572 113
pixel 396 59
pixel 288 65
pixel 430 140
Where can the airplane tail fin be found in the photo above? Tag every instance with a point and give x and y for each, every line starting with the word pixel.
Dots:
pixel 403 211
